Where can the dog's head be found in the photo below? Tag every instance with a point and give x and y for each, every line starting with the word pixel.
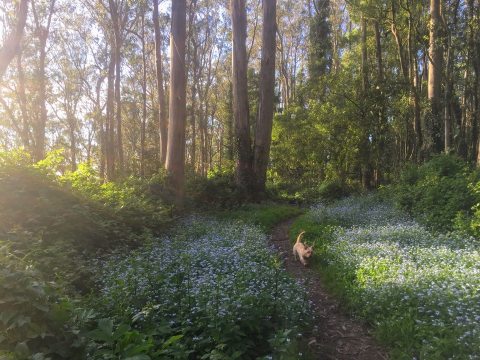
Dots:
pixel 308 251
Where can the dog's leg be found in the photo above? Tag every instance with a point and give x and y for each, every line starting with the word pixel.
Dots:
pixel 302 260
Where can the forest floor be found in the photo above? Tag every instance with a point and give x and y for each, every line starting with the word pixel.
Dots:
pixel 336 335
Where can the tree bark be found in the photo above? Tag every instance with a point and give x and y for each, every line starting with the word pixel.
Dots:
pixel 364 150
pixel 414 89
pixel 12 44
pixel 144 100
pixel 110 127
pixel 435 76
pixel 162 114
pixel 22 101
pixel 398 40
pixel 175 162
pixel 263 131
pixel 449 83
pixel 42 33
pixel 118 96
pixel 243 143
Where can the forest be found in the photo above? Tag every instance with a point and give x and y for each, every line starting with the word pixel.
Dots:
pixel 160 159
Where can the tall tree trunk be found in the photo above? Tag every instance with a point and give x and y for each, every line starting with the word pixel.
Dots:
pixel 364 146
pixel 39 129
pixel 162 114
pixel 448 102
pixel 12 43
pixel 100 125
pixel 22 101
pixel 73 141
pixel 398 40
pixel 192 61
pixel 118 96
pixel 110 122
pixel 435 76
pixel 144 100
pixel 364 54
pixel 118 107
pixel 42 32
pixel 414 88
pixel 175 162
pixel 378 53
pixel 380 135
pixel 474 8
pixel 243 143
pixel 230 155
pixel 263 131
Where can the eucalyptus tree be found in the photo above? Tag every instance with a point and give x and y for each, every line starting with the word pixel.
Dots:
pixel 435 67
pixel 162 107
pixel 175 161
pixel 243 143
pixel 42 13
pixel 263 130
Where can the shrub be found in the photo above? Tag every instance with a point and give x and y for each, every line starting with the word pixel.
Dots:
pixel 35 316
pixel 436 192
pixel 217 189
pixel 331 190
pixel 50 227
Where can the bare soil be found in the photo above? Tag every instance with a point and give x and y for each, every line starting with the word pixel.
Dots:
pixel 336 335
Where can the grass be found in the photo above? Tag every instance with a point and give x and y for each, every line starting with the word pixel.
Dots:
pixel 266 216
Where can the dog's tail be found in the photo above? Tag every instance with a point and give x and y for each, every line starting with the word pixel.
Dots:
pixel 299 237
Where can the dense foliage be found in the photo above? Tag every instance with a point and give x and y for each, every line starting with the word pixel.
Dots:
pixel 441 194
pixel 419 291
pixel 50 226
pixel 209 289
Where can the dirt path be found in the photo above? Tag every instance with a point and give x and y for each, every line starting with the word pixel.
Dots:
pixel 336 336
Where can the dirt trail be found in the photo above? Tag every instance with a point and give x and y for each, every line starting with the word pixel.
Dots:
pixel 336 335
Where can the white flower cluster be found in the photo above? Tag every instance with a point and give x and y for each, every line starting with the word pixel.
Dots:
pixel 361 210
pixel 399 273
pixel 208 279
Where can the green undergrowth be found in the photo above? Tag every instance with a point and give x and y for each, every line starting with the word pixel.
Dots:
pixel 264 215
pixel 419 290
pixel 51 226
pixel 211 290
pixel 93 270
pixel 443 194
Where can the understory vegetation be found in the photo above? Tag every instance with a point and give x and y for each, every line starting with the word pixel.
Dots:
pixel 214 287
pixel 418 289
pixel 93 270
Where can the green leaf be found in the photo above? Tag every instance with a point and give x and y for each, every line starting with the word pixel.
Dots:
pixel 106 325
pixel 171 340
pixel 120 331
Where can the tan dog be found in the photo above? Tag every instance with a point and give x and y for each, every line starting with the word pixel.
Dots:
pixel 303 251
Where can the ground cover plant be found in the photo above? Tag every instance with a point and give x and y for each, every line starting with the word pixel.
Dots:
pixel 420 291
pixel 214 287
